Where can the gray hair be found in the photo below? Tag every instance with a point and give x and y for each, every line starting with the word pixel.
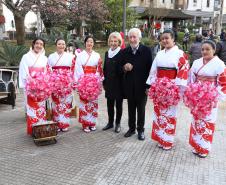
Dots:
pixel 135 30
pixel 116 35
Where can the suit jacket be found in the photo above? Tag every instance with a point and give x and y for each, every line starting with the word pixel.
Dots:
pixel 134 82
pixel 112 78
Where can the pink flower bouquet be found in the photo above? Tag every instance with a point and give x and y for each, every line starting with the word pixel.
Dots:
pixel 164 93
pixel 61 80
pixel 89 86
pixel 39 87
pixel 201 98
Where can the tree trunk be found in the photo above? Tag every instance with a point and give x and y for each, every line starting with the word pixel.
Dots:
pixel 20 29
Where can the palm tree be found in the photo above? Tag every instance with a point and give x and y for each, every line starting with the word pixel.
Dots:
pixel 10 55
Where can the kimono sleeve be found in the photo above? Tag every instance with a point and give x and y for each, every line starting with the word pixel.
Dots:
pixel 23 72
pixel 99 71
pixel 78 70
pixel 182 70
pixel 153 72
pixel 221 81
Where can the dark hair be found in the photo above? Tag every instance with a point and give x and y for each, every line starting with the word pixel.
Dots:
pixel 35 40
pixel 198 38
pixel 60 38
pixel 210 42
pixel 88 37
pixel 171 32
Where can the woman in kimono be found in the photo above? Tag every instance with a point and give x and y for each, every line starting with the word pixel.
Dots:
pixel 171 63
pixel 113 81
pixel 88 62
pixel 61 106
pixel 32 63
pixel 209 68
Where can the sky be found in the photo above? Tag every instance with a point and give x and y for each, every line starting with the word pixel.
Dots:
pixel 29 19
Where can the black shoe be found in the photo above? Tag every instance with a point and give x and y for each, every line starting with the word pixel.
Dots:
pixel 129 133
pixel 117 128
pixel 141 136
pixel 108 126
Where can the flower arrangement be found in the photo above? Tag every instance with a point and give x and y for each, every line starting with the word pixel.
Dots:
pixel 61 80
pixel 201 98
pixel 164 93
pixel 89 86
pixel 39 87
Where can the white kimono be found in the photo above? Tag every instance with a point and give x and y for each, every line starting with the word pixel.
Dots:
pixel 30 64
pixel 201 131
pixel 164 121
pixel 88 63
pixel 61 106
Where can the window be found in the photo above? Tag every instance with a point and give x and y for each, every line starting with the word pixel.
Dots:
pixel 194 2
pixel 208 3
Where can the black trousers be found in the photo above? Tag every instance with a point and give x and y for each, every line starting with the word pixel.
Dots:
pixel 111 111
pixel 138 106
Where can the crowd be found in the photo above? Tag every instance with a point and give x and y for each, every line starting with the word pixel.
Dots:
pixel 129 73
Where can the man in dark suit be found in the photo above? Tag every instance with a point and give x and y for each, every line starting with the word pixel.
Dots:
pixel 136 62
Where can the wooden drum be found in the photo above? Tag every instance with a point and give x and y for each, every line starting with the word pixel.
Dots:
pixel 45 132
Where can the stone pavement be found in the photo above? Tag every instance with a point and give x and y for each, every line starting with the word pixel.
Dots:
pixel 106 158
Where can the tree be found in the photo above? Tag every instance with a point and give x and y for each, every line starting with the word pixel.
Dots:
pixel 54 13
pixel 114 19
pixel 50 10
pixel 19 9
pixel 80 11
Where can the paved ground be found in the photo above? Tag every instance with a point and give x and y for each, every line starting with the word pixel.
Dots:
pixel 106 158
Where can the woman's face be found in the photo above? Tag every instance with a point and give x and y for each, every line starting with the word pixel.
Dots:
pixel 60 46
pixel 207 51
pixel 89 44
pixel 38 46
pixel 167 41
pixel 114 43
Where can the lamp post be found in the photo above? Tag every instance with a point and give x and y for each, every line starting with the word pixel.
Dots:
pixel 220 17
pixel 124 17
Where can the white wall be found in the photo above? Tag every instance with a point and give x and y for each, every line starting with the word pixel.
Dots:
pixel 201 4
pixel 167 4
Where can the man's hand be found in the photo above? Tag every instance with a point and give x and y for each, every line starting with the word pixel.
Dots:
pixel 128 67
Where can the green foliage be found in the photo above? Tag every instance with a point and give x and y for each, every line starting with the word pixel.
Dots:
pixel 115 19
pixel 147 41
pixel 11 55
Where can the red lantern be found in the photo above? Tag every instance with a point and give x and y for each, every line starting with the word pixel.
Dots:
pixel 158 25
pixel 2 19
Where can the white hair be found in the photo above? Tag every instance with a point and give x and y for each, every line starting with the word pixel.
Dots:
pixel 135 30
pixel 117 35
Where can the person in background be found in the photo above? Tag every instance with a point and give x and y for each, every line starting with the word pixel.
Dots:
pixel 113 81
pixel 123 46
pixel 195 49
pixel 221 49
pixel 186 40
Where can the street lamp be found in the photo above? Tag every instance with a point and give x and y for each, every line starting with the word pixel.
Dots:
pixel 124 17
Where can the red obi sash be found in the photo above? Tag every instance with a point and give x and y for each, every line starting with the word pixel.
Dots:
pixel 212 79
pixel 170 73
pixel 89 69
pixel 61 67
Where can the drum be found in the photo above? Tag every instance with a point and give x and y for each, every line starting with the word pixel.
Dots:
pixel 45 132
